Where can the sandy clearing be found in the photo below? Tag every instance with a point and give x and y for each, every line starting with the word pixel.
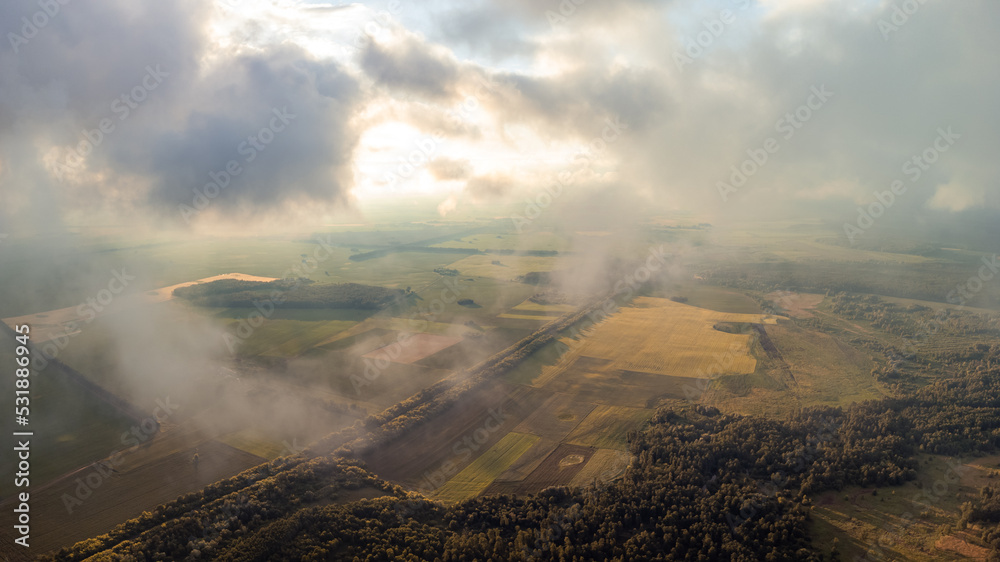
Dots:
pixel 798 305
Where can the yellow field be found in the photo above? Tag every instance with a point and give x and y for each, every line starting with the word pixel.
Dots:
pixel 604 466
pixel 668 338
pixel 605 427
pixel 476 477
pixel 512 266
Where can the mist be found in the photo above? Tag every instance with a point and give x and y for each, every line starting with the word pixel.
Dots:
pixel 255 235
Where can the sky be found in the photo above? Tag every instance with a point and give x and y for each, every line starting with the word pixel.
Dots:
pixel 189 115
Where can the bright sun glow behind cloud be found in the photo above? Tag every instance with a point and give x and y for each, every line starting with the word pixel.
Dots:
pixel 371 81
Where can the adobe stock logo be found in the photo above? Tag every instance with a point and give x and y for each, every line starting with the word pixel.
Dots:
pixel 901 14
pixel 38 20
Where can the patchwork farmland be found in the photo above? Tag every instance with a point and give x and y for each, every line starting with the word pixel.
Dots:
pixel 596 389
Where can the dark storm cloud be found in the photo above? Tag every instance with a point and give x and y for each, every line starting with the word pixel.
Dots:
pixel 176 108
pixel 60 73
pixel 281 117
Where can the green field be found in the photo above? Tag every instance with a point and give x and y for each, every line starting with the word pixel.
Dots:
pixel 438 302
pixel 476 477
pixel 72 428
pixel 288 338
pixel 545 241
pixel 503 267
pixel 256 443
pixel 711 297
pixel 84 266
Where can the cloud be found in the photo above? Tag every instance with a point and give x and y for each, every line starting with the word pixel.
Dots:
pixel 449 169
pixel 955 197
pixel 411 65
pixel 281 116
pixel 550 89
pixel 493 186
pixel 177 108
pixel 61 79
pixel 484 29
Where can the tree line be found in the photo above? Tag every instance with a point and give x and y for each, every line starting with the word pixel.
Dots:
pixel 290 293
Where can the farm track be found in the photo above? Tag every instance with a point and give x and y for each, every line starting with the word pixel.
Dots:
pixel 772 351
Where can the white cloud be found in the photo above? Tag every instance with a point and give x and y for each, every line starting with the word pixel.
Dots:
pixel 956 197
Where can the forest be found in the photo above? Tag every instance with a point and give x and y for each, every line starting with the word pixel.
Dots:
pixel 931 281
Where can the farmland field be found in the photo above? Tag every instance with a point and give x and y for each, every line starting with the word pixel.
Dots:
pixel 373 384
pixel 72 427
pixel 527 462
pixel 554 309
pixel 535 241
pixel 623 388
pixel 826 370
pixel 711 297
pixel 604 466
pixel 473 350
pixel 139 483
pixel 509 267
pixel 556 418
pixel 560 467
pixel 418 324
pixel 446 438
pixel 255 443
pixel 414 348
pixel 606 426
pixel 484 470
pixel 664 337
pixel 535 317
pixel 288 338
